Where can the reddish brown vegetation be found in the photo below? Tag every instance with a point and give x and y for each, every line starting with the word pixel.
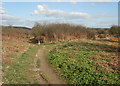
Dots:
pixel 61 32
pixel 14 42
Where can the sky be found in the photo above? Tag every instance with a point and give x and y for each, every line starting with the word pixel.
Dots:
pixel 89 14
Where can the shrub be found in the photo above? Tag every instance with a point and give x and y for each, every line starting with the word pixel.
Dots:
pixel 115 30
pixel 101 31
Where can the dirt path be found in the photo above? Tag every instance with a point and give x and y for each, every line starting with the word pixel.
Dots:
pixel 37 70
pixel 46 69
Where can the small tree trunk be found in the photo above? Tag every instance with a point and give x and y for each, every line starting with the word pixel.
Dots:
pixel 38 42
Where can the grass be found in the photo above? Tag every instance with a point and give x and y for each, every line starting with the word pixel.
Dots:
pixel 36 82
pixel 43 76
pixel 38 63
pixel 81 63
pixel 21 71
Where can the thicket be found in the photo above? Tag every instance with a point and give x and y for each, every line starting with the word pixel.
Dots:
pixel 60 32
pixel 115 31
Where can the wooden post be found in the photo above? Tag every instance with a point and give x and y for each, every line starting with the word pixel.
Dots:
pixel 38 42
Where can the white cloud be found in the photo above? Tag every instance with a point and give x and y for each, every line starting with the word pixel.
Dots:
pixel 2 11
pixel 1 8
pixel 59 0
pixel 92 4
pixel 44 11
pixel 11 20
pixel 1 3
pixel 103 15
pixel 73 1
pixel 106 23
pixel 6 19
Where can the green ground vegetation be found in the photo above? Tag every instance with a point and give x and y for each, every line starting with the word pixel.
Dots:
pixel 21 71
pixel 81 63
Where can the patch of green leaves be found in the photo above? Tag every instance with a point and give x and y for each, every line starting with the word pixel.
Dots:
pixel 43 76
pixel 74 62
pixel 38 63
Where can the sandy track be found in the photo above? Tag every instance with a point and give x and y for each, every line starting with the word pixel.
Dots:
pixel 46 69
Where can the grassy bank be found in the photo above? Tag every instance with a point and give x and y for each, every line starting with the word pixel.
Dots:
pixel 86 63
pixel 21 71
